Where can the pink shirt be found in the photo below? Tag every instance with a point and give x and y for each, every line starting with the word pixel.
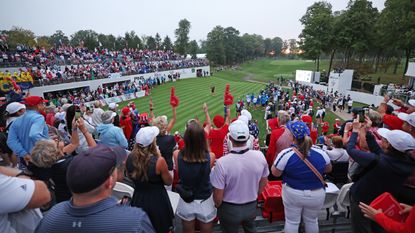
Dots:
pixel 284 141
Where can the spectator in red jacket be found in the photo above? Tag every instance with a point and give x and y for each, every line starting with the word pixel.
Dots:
pixel 126 123
pixel 217 134
pixel 390 225
pixel 308 120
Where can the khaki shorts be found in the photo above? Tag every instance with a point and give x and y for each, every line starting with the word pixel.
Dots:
pixel 203 211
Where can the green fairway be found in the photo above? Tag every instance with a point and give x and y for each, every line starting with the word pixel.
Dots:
pixel 192 94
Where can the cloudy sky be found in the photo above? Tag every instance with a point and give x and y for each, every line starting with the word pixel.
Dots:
pixel 269 18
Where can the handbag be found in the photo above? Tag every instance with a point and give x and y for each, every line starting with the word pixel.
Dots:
pixel 185 192
pixel 309 165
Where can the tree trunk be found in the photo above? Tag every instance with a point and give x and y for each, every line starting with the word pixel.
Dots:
pixel 408 54
pixel 398 61
pixel 377 63
pixel 386 62
pixel 318 63
pixel 331 62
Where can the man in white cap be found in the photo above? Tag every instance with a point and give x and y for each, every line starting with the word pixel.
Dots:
pixel 109 134
pixel 251 143
pixel 113 107
pixel 237 179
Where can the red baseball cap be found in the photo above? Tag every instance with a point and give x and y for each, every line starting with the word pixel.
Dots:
pixel 125 110
pixel 34 100
pixel 218 121
pixel 273 123
pixel 306 118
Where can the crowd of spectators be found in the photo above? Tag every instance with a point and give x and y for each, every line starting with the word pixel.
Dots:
pixel 67 63
pixel 217 167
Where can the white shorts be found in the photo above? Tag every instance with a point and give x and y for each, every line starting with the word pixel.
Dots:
pixel 204 211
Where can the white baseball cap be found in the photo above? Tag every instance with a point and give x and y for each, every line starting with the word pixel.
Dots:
pixel 146 135
pixel 399 139
pixel 410 118
pixel 246 113
pixel 412 102
pixel 14 107
pixel 244 119
pixel 112 106
pixel 107 116
pixel 239 131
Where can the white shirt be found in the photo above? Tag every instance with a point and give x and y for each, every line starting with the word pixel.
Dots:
pixel 14 196
pixel 338 155
pixel 96 116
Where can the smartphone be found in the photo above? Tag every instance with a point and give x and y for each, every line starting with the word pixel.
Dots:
pixel 362 116
pixel 78 115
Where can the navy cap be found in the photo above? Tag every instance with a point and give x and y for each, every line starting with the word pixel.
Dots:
pixel 91 168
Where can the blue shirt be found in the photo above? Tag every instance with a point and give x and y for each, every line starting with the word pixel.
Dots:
pixel 296 173
pixel 103 216
pixel 111 135
pixel 26 131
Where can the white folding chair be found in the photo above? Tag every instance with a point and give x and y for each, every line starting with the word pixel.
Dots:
pixel 329 203
pixel 343 201
pixel 120 190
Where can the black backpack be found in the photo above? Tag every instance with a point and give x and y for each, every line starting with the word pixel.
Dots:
pixel 4 148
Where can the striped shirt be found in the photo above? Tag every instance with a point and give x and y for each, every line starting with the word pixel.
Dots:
pixel 104 216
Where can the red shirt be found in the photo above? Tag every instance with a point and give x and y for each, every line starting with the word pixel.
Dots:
pixel 314 135
pixel 216 137
pixel 272 148
pixel 127 126
pixel 50 118
pixel 325 127
pixel 392 121
pixel 393 226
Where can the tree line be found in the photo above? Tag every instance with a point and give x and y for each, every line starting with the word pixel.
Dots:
pixel 360 35
pixel 19 37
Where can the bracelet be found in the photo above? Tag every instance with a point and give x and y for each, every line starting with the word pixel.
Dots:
pixel 151 109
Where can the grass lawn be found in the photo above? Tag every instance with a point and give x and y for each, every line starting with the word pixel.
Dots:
pixel 194 92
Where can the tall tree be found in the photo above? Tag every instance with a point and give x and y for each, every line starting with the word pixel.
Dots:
pixel 317 23
pixel 215 46
pixel 276 44
pixel 44 42
pixel 132 40
pixel 358 26
pixel 19 36
pixel 157 39
pixel 268 46
pixel 59 38
pixel 88 38
pixel 182 36
pixel 151 43
pixel 193 48
pixel 167 44
pixel 397 20
pixel 232 43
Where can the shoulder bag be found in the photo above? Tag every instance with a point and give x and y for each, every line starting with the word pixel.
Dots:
pixel 309 165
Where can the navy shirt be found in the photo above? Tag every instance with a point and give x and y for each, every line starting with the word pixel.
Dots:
pixel 296 173
pixel 104 216
pixel 388 175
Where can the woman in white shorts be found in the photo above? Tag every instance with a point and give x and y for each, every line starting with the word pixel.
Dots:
pixel 194 163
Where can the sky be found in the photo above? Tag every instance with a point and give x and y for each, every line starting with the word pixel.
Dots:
pixel 269 18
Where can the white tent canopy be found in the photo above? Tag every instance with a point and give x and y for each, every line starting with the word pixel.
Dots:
pixel 411 69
